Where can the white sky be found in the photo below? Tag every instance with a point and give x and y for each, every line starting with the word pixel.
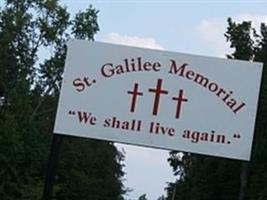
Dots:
pixel 195 27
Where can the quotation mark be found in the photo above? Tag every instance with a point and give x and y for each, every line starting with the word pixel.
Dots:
pixel 71 112
pixel 237 136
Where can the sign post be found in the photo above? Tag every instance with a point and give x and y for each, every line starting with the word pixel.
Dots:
pixel 51 168
pixel 244 175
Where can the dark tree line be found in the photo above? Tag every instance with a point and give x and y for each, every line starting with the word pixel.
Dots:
pixel 29 90
pixel 208 178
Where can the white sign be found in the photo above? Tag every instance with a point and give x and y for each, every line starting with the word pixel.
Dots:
pixel 159 99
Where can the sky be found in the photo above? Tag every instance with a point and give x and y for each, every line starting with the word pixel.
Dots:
pixel 195 27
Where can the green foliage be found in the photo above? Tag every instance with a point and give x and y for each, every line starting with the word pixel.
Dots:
pixel 142 197
pixel 207 178
pixel 204 178
pixel 161 198
pixel 239 36
pixel 83 22
pixel 97 179
pixel 258 52
pixel 29 90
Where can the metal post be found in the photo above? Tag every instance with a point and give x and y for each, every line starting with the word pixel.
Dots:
pixel 51 168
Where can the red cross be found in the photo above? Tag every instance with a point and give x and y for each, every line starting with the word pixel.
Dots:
pixel 158 91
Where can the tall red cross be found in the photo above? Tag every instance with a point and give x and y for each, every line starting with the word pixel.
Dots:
pixel 134 94
pixel 158 91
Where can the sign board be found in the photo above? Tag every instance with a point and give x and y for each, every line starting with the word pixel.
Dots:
pixel 159 99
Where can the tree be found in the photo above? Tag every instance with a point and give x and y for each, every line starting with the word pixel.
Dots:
pixel 29 90
pixel 161 198
pixel 142 197
pixel 240 36
pixel 203 177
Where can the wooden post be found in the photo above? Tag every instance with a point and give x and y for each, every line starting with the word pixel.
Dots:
pixel 51 167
